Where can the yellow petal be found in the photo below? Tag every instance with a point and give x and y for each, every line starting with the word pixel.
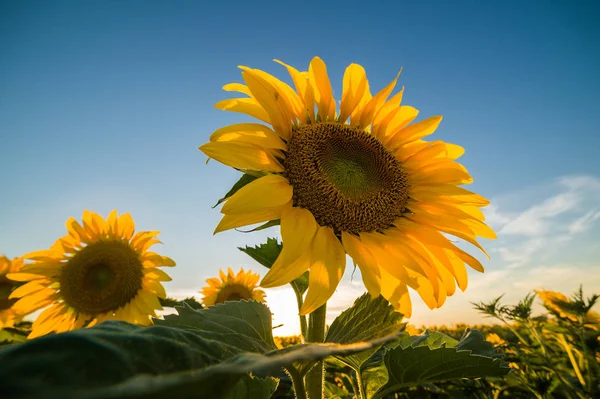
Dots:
pixel 151 259
pixel 399 118
pixel 415 131
pixel 242 156
pixel 317 71
pixel 326 271
pixel 353 89
pixel 27 289
pixel 451 227
pixel 292 100
pixel 440 173
pixel 126 226
pixel 386 259
pixel 304 89
pixel 298 229
pixel 365 261
pixel 33 302
pixel 433 193
pixel 154 287
pixel 273 102
pixel 396 293
pixel 246 219
pixel 385 113
pixel 248 106
pixel 376 102
pixel 240 88
pixel 25 276
pixel 156 274
pixel 251 133
pixel 265 192
pixel 112 224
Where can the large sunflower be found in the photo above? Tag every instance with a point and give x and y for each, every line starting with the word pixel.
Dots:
pixel 8 316
pixel 100 270
pixel 359 181
pixel 232 287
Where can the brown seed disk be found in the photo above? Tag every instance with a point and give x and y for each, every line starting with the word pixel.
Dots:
pixel 101 277
pixel 345 177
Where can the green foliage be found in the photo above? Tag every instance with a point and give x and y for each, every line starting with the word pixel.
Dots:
pixel 197 353
pixel 190 301
pixel 368 318
pixel 433 357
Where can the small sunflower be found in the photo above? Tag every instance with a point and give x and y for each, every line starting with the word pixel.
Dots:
pixel 359 181
pixel 566 309
pixel 99 271
pixel 232 287
pixel 8 316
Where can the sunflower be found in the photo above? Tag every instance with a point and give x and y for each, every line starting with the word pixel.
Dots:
pixel 100 270
pixel 564 308
pixel 232 287
pixel 8 316
pixel 359 181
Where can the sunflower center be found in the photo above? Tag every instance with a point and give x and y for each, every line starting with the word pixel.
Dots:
pixel 345 177
pixel 102 277
pixel 5 290
pixel 233 292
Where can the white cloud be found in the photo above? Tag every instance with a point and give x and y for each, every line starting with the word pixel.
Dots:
pixel 536 220
pixel 585 222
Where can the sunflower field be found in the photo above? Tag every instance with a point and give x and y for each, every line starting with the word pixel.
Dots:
pixel 351 178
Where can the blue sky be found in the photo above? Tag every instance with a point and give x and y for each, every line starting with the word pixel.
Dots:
pixel 103 105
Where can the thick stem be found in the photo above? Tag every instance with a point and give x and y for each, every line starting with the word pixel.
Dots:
pixel 316 333
pixel 303 325
pixel 298 382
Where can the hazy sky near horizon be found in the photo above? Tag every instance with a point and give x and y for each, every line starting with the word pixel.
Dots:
pixel 103 105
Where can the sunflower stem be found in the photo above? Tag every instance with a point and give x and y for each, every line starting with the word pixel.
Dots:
pixel 316 333
pixel 303 324
pixel 298 383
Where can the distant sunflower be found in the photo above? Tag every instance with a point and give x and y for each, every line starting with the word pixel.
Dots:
pixel 8 316
pixel 99 271
pixel 232 287
pixel 359 181
pixel 564 308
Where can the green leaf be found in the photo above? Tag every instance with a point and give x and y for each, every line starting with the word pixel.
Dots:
pixel 245 179
pixel 436 357
pixel 245 324
pixel 198 353
pixel 367 319
pixel 270 223
pixel 267 253
pixel 170 302
pixel 253 387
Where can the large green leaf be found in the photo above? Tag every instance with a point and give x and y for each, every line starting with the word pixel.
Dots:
pixel 367 319
pixel 227 321
pixel 267 253
pixel 436 357
pixel 204 353
pixel 253 387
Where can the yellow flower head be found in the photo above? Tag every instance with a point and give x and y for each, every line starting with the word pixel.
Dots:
pixel 232 287
pixel 8 316
pixel 358 180
pixel 495 339
pixel 560 304
pixel 100 270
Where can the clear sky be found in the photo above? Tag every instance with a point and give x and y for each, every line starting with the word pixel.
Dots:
pixel 103 105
